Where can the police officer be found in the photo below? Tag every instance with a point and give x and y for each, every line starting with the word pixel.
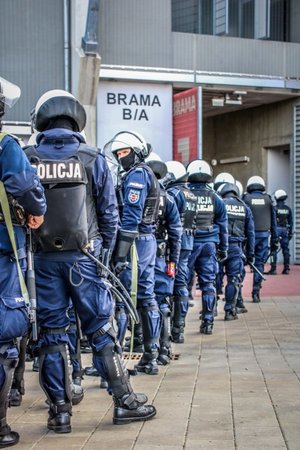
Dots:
pixel 81 219
pixel 210 240
pixel 240 231
pixel 186 204
pixel 264 216
pixel 284 217
pixel 27 206
pixel 168 236
pixel 139 203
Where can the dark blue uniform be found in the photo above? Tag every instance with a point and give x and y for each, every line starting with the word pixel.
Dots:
pixel 211 234
pixel 139 209
pixel 168 236
pixel 264 216
pixel 61 275
pixel 186 204
pixel 21 182
pixel 284 218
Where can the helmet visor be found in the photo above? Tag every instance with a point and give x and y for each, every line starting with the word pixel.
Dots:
pixel 9 92
pixel 111 148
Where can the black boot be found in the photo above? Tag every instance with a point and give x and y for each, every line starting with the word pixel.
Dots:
pixel 8 438
pixel 128 409
pixel 240 307
pixel 35 364
pixel 138 339
pixel 148 363
pixel 91 371
pixel 77 393
pixel 230 315
pixel 60 417
pixel 15 397
pixel 206 327
pixel 255 297
pixel 103 383
pixel 286 270
pixel 178 322
pixel 272 271
pixel 164 356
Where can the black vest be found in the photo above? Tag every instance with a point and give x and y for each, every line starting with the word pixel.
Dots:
pixel 71 219
pixel 205 208
pixel 261 207
pixel 188 214
pixel 282 215
pixel 236 212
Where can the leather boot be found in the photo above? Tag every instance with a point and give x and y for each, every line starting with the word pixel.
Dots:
pixel 138 339
pixel 128 409
pixel 256 297
pixel 91 371
pixel 8 438
pixel 148 363
pixel 15 397
pixel 164 356
pixel 35 364
pixel 230 315
pixel 272 271
pixel 77 394
pixel 241 308
pixel 286 270
pixel 206 327
pixel 59 419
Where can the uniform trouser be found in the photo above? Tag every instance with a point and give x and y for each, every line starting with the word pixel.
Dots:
pixel 203 260
pixel 13 325
pixel 58 280
pixel 163 289
pixel 146 301
pixel 284 245
pixel 240 300
pixel 261 255
pixel 181 290
pixel 74 343
pixel 233 267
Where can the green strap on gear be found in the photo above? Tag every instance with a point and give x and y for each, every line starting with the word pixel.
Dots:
pixel 2 135
pixel 10 230
pixel 134 287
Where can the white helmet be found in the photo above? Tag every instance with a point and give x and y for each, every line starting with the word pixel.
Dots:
pixel 9 94
pixel 199 171
pixel 58 103
pixel 221 178
pixel 280 195
pixel 176 170
pixel 256 183
pixel 132 140
pixel 32 139
pixel 240 187
pixel 153 157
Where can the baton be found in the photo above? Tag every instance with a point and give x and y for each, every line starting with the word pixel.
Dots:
pixel 256 270
pixel 30 278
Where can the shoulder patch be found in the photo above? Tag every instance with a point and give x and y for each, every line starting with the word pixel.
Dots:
pixel 133 196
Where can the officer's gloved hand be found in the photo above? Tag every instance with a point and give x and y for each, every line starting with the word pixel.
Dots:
pixel 275 245
pixel 119 266
pixel 250 259
pixel 171 269
pixel 222 255
pixel 105 257
pixel 125 239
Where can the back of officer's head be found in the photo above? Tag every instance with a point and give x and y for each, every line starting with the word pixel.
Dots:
pixel 58 109
pixel 158 167
pixel 256 183
pixel 199 171
pixel 280 195
pixel 221 178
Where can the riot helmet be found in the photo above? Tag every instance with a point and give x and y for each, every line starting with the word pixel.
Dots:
pixel 240 187
pixel 128 140
pixel 256 183
pixel 9 95
pixel 228 188
pixel 158 167
pixel 58 104
pixel 199 171
pixel 176 171
pixel 223 177
pixel 280 194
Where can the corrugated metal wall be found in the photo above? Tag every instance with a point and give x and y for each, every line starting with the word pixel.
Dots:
pixel 31 49
pixel 297 183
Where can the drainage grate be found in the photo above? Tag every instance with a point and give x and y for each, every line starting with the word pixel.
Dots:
pixel 137 356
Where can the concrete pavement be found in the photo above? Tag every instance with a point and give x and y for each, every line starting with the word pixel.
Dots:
pixel 236 389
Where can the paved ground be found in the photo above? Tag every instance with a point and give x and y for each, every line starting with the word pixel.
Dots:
pixel 237 389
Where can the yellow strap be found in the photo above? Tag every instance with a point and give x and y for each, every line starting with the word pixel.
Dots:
pixel 134 287
pixel 10 230
pixel 2 135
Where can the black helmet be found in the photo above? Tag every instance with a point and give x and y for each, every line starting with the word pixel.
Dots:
pixel 159 168
pixel 55 104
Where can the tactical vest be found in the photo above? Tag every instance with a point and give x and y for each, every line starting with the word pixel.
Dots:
pixel 282 215
pixel 161 232
pixel 261 207
pixel 188 214
pixel 236 213
pixel 71 219
pixel 205 208
pixel 151 206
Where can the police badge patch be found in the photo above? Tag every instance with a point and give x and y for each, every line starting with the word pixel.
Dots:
pixel 133 196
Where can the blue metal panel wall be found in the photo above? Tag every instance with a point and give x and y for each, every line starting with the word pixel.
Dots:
pixel 31 49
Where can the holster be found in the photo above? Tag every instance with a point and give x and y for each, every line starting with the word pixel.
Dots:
pixel 124 241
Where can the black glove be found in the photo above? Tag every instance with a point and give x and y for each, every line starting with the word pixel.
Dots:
pixel 124 241
pixel 274 245
pixel 222 255
pixel 105 256
pixel 250 259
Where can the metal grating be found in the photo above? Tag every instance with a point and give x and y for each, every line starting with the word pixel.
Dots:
pixel 296 186
pixel 137 356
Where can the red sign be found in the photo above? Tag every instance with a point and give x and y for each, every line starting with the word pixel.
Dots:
pixel 185 126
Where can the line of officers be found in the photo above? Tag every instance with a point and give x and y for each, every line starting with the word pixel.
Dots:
pixel 154 224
